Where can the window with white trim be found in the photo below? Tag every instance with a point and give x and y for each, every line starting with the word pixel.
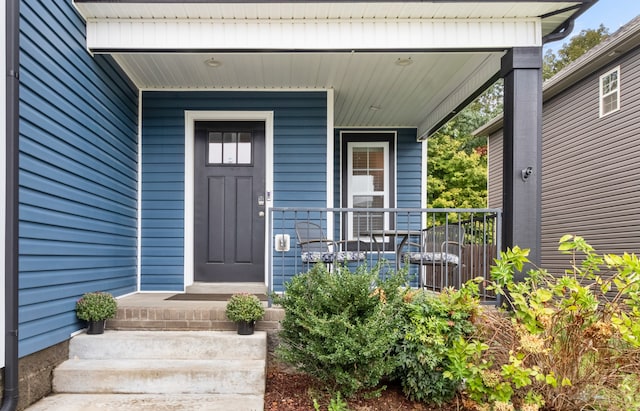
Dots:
pixel 610 92
pixel 368 182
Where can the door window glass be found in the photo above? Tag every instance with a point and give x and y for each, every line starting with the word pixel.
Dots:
pixel 229 148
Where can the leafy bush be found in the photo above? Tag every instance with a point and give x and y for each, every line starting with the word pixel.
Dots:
pixel 244 307
pixel 432 323
pixel 569 342
pixel 335 404
pixel 96 306
pixel 341 326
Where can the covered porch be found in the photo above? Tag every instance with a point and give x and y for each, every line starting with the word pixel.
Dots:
pixel 318 76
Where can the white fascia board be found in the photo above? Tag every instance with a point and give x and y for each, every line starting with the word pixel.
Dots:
pixel 489 67
pixel 331 34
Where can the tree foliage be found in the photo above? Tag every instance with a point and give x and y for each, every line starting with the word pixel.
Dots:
pixel 457 161
pixel 576 47
pixel 455 178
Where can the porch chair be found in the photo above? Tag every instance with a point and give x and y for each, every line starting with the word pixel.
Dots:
pixel 315 247
pixel 437 254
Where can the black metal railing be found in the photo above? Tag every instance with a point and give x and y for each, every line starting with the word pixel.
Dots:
pixel 438 248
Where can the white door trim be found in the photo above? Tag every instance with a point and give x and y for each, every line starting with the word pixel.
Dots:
pixel 190 117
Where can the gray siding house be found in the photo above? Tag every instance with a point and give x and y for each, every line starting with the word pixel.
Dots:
pixel 147 142
pixel 590 131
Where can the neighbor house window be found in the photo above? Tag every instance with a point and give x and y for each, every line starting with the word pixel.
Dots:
pixel 610 92
pixel 368 173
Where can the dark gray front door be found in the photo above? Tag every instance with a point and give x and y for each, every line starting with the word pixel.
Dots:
pixel 229 201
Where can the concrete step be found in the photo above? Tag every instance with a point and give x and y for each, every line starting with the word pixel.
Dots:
pixel 147 402
pixel 160 370
pixel 160 376
pixel 175 345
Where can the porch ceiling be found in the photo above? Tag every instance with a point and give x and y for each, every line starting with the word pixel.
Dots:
pixel 454 48
pixel 370 89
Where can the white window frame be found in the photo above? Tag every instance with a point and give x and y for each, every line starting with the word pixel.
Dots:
pixel 615 91
pixel 350 186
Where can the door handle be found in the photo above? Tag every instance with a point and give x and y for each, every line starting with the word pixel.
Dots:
pixel 261 201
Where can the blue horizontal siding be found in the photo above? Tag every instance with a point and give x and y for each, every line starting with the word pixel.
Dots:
pixel 37 213
pixel 300 124
pixel 58 248
pixel 409 169
pixel 162 223
pixel 55 277
pixel 149 243
pixel 305 177
pixel 78 174
pixel 169 214
pixel 70 235
pixel 70 151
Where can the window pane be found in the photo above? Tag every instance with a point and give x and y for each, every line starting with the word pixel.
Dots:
pixel 360 158
pixel 366 222
pixel 244 148
pixel 368 169
pixel 610 103
pixel 215 148
pixel 606 85
pixel 360 201
pixel 376 158
pixel 229 147
pixel 378 180
pixel 610 83
pixel 362 183
pixel 614 80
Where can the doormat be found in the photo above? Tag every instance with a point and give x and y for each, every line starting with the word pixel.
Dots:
pixel 208 297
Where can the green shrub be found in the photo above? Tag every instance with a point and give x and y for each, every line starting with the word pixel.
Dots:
pixel 244 307
pixel 568 342
pixel 96 306
pixel 341 326
pixel 431 325
pixel 335 404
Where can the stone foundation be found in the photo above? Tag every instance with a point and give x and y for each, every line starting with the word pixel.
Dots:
pixel 35 373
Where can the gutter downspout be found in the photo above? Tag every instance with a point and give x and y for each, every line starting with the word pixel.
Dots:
pixel 10 397
pixel 567 27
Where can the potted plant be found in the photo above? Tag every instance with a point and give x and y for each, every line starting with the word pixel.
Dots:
pixel 96 308
pixel 245 309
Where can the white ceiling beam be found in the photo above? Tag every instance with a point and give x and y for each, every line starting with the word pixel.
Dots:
pixel 112 35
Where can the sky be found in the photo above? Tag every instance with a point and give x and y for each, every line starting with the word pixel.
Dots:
pixel 612 13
